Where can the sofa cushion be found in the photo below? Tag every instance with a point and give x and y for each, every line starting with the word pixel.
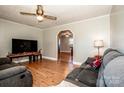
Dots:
pixel 83 65
pixel 110 56
pixel 6 73
pixel 114 73
pixel 23 79
pixel 5 66
pixel 88 61
pixel 73 75
pixel 100 79
pixel 88 77
pixel 106 59
pixel 107 51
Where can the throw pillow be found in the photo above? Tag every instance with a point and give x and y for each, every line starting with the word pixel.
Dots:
pixel 96 64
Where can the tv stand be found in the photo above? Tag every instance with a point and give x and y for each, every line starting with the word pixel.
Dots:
pixel 32 56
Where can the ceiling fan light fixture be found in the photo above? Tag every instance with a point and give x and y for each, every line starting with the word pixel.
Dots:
pixel 39 18
pixel 39 14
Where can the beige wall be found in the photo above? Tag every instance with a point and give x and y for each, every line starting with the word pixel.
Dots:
pixel 85 32
pixel 9 30
pixel 117 27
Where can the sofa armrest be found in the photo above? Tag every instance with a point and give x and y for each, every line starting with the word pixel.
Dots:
pixel 5 60
pixel 11 72
pixel 87 77
pixel 74 73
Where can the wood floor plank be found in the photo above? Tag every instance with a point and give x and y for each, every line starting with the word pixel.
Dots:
pixel 49 73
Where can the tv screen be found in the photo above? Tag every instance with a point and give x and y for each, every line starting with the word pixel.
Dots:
pixel 21 45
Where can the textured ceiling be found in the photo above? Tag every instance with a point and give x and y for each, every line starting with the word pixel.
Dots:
pixel 64 13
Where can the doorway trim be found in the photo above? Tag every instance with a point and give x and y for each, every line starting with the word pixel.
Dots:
pixel 58 44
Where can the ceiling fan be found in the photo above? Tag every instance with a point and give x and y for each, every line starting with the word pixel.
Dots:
pixel 39 14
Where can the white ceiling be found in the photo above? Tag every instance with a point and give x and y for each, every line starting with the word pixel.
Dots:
pixel 64 13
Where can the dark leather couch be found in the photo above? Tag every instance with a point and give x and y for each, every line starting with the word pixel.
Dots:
pixel 14 75
pixel 83 76
pixel 110 73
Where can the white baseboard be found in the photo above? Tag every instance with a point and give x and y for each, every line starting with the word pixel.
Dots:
pixel 50 58
pixel 77 63
pixel 26 59
pixel 20 61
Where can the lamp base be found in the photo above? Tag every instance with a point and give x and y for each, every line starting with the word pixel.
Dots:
pixel 97 56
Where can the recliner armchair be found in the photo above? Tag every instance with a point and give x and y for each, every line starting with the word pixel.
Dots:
pixel 14 75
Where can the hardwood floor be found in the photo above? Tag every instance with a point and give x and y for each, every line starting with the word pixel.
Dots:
pixel 49 73
pixel 65 57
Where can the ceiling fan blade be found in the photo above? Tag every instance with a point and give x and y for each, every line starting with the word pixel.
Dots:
pixel 24 13
pixel 50 17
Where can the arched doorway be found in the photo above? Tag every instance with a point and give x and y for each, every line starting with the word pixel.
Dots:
pixel 65 46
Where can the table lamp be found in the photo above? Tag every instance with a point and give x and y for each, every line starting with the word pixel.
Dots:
pixel 98 44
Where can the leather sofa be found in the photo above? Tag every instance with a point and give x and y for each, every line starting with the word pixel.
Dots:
pixel 110 73
pixel 14 75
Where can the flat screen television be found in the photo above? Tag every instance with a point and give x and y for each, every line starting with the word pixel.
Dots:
pixel 22 45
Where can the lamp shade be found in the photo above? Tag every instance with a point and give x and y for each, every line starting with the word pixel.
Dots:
pixel 98 43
